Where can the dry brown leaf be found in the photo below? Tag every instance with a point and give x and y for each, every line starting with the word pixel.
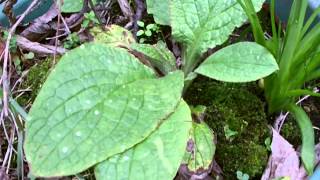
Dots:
pixel 284 160
pixel 40 27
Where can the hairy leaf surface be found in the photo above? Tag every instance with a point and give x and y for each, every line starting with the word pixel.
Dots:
pixel 93 106
pixel 204 24
pixel 158 157
pixel 160 11
pixel 158 55
pixel 240 62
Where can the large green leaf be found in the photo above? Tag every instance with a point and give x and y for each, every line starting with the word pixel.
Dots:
pixel 160 11
pixel 72 6
pixel 158 157
pixel 241 62
pixel 93 106
pixel 201 148
pixel 158 55
pixel 203 24
pixel 306 128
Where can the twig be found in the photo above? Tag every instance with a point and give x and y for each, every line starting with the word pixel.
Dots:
pixel 5 80
pixel 57 33
pixel 140 8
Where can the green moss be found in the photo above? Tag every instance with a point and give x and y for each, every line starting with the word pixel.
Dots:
pixel 35 78
pixel 291 132
pixel 232 107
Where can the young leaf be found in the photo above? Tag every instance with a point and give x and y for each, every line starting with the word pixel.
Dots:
pixel 158 55
pixel 158 157
pixel 201 148
pixel 140 23
pixel 160 11
pixel 305 125
pixel 240 62
pixel 93 106
pixel 140 33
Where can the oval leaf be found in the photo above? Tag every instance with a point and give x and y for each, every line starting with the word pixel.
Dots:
pixel 240 62
pixel 99 101
pixel 158 157
pixel 201 148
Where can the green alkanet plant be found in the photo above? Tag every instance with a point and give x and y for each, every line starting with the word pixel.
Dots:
pixel 298 55
pixel 102 107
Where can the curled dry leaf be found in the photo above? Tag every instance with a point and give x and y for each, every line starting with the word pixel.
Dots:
pixel 284 160
pixel 40 27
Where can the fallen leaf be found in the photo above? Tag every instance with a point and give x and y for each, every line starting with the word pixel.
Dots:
pixel 284 160
pixel 40 28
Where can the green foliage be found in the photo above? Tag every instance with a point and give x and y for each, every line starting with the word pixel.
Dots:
pixel 146 31
pixel 159 56
pixel 101 107
pixel 239 57
pixel 73 6
pixel 36 76
pixel 297 53
pixel 72 41
pixel 111 112
pixel 156 152
pixel 232 105
pixel 89 19
pixel 160 12
pixel 242 176
pixel 200 150
pixel 13 42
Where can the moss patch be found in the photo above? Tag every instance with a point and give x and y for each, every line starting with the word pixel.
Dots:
pixel 237 116
pixel 35 78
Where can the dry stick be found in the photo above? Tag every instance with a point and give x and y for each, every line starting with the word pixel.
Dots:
pixel 5 79
pixel 140 8
pixel 126 11
pixel 57 34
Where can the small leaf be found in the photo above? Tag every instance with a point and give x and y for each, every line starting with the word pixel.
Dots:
pixel 240 62
pixel 158 157
pixel 30 55
pixel 148 33
pixel 140 33
pixel 151 26
pixel 140 23
pixel 99 101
